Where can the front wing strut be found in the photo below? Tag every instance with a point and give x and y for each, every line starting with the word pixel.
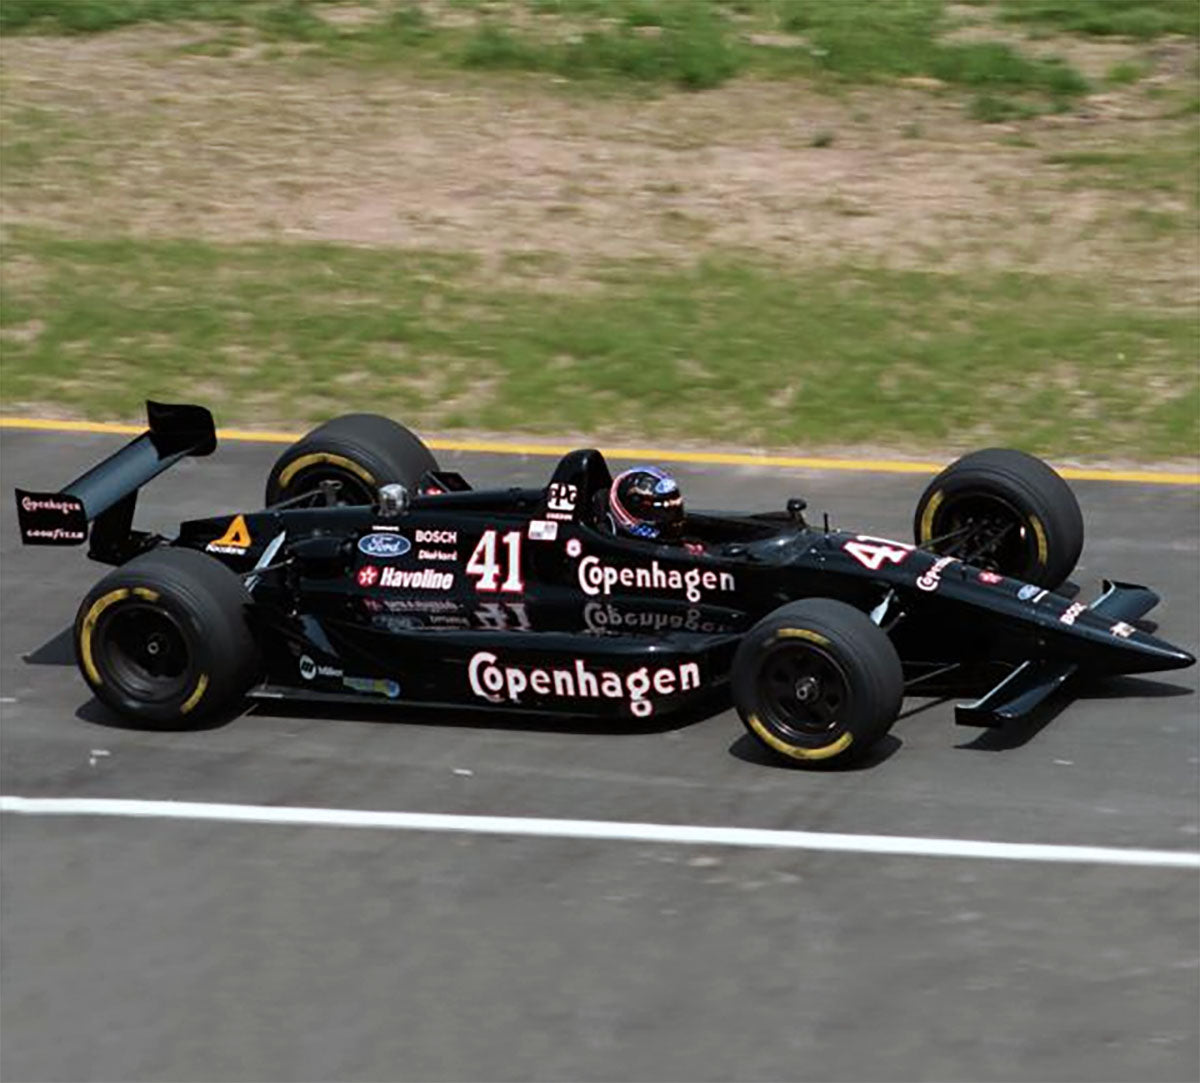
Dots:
pixel 1030 684
pixel 1034 681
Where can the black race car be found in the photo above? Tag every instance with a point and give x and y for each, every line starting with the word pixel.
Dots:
pixel 372 574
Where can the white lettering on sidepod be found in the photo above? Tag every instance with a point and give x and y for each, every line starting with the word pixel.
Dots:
pixel 495 682
pixel 596 577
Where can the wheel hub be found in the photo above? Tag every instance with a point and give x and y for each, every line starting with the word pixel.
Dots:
pixel 804 690
pixel 143 652
pixel 808 689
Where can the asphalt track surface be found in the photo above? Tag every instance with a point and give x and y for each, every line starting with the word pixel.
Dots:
pixel 164 949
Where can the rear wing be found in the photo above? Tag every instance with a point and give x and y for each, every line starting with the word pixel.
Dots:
pixel 106 495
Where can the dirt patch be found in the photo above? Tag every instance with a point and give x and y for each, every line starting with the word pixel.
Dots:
pixel 133 136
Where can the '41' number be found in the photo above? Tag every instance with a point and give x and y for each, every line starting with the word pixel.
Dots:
pixel 872 552
pixel 488 570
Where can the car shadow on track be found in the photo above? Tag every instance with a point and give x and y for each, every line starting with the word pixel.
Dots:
pixel 95 713
pixel 749 750
pixel 480 718
pixel 448 717
pixel 59 651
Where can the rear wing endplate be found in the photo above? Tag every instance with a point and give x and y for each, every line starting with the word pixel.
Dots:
pixel 107 493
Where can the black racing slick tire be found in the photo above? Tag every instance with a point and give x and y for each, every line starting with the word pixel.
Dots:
pixel 359 451
pixel 164 642
pixel 1006 511
pixel 817 682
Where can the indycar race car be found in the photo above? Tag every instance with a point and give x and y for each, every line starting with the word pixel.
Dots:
pixel 372 574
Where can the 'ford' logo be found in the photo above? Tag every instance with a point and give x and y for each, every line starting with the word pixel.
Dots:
pixel 384 545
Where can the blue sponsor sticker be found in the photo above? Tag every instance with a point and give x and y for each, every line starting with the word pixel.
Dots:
pixel 380 686
pixel 384 545
pixel 1027 592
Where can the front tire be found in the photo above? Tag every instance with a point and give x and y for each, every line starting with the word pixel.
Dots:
pixel 1006 511
pixel 164 641
pixel 360 452
pixel 817 682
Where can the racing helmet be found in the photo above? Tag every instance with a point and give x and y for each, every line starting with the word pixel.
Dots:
pixel 646 503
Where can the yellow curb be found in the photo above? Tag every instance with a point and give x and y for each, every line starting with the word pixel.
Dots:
pixel 710 458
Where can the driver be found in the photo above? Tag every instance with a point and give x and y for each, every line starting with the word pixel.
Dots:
pixel 645 502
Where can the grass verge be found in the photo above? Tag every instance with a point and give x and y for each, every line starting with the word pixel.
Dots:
pixel 1142 19
pixel 730 351
pixel 694 44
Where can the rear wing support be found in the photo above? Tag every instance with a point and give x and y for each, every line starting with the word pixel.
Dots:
pixel 106 495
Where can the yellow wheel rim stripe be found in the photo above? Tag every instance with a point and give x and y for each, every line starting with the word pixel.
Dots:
pixel 802 633
pixel 1039 533
pixel 89 625
pixel 316 457
pixel 795 752
pixel 927 515
pixel 196 695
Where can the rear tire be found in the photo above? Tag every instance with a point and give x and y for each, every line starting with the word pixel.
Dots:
pixel 1033 516
pixel 817 682
pixel 164 642
pixel 359 451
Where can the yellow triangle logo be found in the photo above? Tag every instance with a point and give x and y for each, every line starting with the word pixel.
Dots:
pixel 236 537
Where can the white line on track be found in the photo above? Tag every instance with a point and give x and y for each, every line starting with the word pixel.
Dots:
pixel 602 830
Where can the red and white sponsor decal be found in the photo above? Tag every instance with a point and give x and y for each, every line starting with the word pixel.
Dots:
pixel 416 579
pixel 437 554
pixel 1071 612
pixel 542 530
pixel 874 552
pixel 491 680
pixel 991 578
pixel 931 579
pixel 404 578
